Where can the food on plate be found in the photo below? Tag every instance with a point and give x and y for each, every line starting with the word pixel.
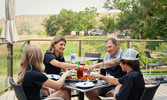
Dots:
pixel 85 77
pixel 72 77
pixel 88 77
pixel 69 77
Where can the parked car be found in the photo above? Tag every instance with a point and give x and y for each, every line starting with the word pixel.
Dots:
pixel 99 33
pixel 95 32
pixel 121 34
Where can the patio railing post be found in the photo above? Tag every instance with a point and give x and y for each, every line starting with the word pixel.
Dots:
pixel 128 46
pixel 10 59
pixel 28 42
pixel 80 48
pixel 9 63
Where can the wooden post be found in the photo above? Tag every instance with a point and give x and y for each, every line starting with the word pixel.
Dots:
pixel 128 46
pixel 10 59
pixel 9 63
pixel 80 48
pixel 28 42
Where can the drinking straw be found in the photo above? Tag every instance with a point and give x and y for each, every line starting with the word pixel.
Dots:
pixel 103 64
pixel 78 64
pixel 84 59
pixel 71 60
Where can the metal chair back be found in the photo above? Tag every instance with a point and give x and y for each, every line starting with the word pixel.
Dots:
pixel 147 54
pixel 95 55
pixel 151 64
pixel 149 92
pixel 19 92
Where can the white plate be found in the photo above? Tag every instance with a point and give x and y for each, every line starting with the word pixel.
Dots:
pixel 54 76
pixel 85 84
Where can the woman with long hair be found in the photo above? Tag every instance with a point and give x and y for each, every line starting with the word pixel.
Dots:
pixel 54 57
pixel 32 78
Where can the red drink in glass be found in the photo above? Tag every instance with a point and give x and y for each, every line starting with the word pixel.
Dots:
pixel 79 73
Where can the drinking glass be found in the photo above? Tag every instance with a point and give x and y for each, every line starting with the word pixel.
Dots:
pixel 79 73
pixel 103 71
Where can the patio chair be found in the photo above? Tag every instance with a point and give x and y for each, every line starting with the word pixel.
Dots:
pixel 150 91
pixel 19 92
pixel 151 64
pixel 95 55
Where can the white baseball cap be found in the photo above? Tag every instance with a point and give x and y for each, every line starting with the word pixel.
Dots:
pixel 128 54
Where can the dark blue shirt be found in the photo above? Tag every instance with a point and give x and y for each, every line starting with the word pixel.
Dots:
pixel 50 69
pixel 32 83
pixel 132 86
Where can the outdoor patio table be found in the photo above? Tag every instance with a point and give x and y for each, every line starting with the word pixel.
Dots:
pixel 68 58
pixel 71 85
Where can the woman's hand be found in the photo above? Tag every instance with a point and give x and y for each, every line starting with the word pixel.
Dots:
pixel 67 73
pixel 50 90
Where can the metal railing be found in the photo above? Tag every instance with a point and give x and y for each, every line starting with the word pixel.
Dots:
pixel 10 49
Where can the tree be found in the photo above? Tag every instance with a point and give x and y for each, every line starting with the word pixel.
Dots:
pixel 145 18
pixel 87 19
pixel 69 20
pixel 51 25
pixel 66 20
pixel 108 23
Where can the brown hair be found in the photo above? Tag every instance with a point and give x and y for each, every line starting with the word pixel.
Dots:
pixel 114 41
pixel 134 64
pixel 55 40
pixel 33 56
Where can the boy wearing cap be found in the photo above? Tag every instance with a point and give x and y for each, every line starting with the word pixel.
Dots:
pixel 130 86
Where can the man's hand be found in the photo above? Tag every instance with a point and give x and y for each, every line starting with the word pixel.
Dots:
pixel 117 89
pixel 109 63
pixel 96 75
pixel 88 69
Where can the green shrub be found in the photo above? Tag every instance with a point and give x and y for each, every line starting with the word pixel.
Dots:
pixel 161 47
pixel 152 45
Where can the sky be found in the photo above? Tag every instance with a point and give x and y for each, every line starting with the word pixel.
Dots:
pixel 40 7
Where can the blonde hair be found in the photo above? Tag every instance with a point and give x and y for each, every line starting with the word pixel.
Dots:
pixel 33 56
pixel 55 40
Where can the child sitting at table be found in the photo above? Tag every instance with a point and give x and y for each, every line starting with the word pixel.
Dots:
pixel 32 78
pixel 130 86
